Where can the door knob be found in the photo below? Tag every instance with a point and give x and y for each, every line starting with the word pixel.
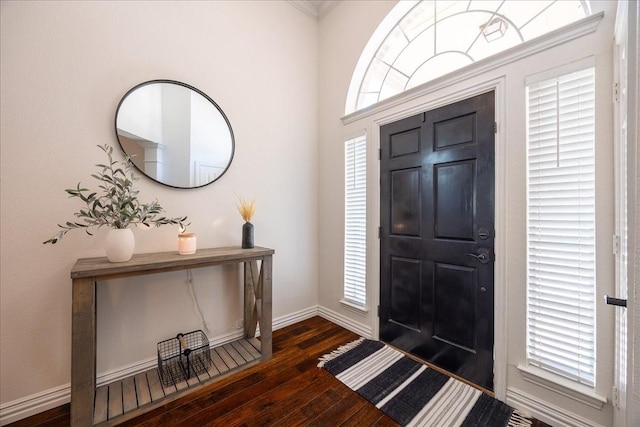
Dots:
pixel 483 256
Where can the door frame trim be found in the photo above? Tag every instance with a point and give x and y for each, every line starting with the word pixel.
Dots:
pixel 426 103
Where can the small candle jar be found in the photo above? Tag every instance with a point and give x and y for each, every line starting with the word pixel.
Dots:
pixel 187 243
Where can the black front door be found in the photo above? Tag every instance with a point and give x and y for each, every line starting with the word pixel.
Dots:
pixel 437 236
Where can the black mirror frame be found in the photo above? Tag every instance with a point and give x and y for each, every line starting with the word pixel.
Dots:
pixel 224 116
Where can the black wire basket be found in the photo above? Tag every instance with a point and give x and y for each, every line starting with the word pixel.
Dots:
pixel 183 357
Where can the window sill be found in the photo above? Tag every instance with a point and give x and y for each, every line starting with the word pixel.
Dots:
pixel 564 387
pixel 359 309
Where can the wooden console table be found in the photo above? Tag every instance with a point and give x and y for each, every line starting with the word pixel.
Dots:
pixel 226 359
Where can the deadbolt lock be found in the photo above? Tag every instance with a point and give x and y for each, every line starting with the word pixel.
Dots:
pixel 483 233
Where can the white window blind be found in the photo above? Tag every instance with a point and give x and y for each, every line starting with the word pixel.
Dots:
pixel 355 241
pixel 561 225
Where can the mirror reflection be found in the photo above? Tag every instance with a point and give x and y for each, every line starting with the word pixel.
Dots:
pixel 174 133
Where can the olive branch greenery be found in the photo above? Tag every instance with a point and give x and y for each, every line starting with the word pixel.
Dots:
pixel 118 205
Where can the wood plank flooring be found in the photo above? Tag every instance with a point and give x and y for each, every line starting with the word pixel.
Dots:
pixel 287 390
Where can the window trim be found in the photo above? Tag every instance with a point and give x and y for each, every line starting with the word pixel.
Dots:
pixel 359 309
pixel 560 385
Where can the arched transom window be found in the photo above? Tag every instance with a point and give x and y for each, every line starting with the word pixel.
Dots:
pixel 432 38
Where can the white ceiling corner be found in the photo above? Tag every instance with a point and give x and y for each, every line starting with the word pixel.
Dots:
pixel 315 9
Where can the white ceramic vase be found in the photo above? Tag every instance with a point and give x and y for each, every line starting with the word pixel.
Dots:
pixel 119 244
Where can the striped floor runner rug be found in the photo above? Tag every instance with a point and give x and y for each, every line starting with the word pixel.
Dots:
pixel 413 394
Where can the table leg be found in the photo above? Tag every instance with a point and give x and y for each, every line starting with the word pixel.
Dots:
pixel 266 313
pixel 83 351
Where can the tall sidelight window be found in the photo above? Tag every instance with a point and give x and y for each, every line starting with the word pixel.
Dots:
pixel 561 222
pixel 355 242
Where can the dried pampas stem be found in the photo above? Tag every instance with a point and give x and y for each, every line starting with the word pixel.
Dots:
pixel 246 209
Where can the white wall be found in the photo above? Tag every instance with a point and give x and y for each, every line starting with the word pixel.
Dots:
pixel 338 56
pixel 141 115
pixel 65 66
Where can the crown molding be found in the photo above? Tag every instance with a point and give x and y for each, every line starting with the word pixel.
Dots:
pixel 314 9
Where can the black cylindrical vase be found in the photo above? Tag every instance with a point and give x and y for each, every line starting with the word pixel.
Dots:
pixel 247 235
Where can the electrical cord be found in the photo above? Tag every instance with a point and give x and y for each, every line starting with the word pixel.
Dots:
pixel 195 300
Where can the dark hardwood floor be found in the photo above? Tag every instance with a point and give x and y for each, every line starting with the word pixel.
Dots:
pixel 286 390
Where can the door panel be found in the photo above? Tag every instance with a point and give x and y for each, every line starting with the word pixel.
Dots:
pixel 454 210
pixel 406 202
pixel 436 241
pixel 405 294
pixel 455 131
pixel 405 143
pixel 455 301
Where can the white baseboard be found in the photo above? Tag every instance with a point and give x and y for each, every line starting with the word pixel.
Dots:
pixel 36 403
pixel 347 323
pixel 545 411
pixel 295 317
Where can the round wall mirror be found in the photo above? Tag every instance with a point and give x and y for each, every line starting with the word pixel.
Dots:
pixel 174 133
